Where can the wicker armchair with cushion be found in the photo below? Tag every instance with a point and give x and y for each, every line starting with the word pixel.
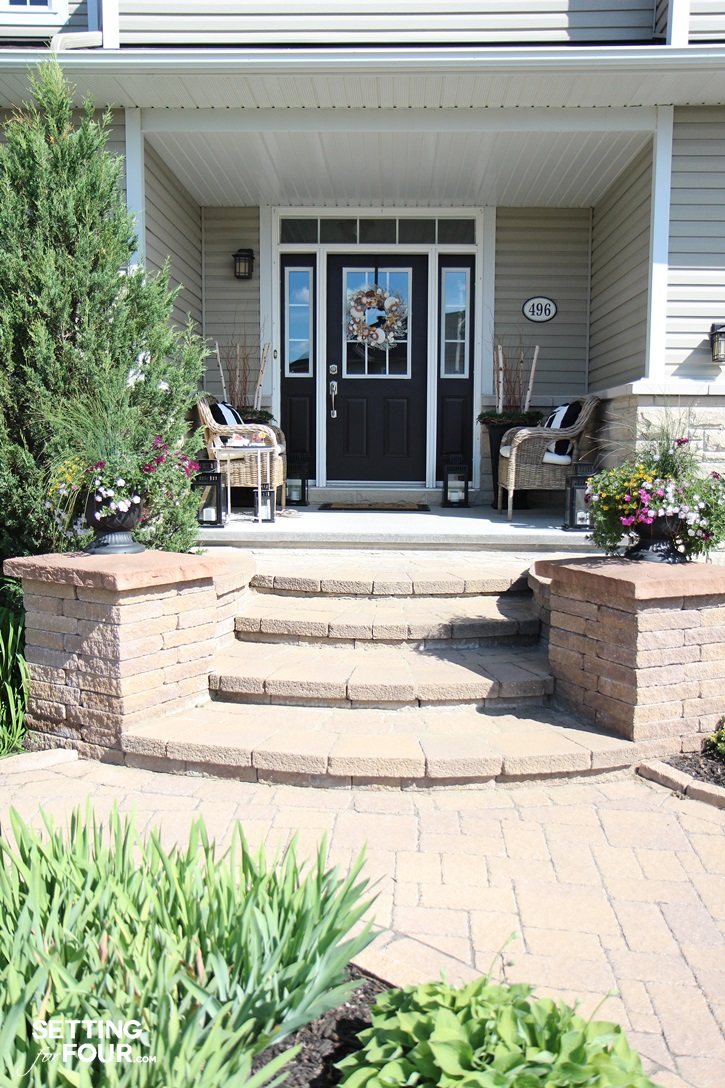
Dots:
pixel 542 458
pixel 240 462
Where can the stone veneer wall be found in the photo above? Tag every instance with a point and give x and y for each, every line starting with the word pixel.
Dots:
pixel 638 648
pixel 628 420
pixel 113 641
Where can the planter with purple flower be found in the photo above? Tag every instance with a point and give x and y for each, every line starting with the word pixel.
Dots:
pixel 661 507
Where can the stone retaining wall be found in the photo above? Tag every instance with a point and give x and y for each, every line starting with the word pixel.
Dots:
pixel 638 648
pixel 113 641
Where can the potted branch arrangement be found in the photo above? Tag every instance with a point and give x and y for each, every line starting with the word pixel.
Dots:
pixel 234 360
pixel 511 409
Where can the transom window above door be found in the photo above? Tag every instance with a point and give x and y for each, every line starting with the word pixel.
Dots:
pixel 376 316
pixel 378 230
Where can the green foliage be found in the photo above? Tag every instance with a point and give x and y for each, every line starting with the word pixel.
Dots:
pixel 665 484
pixel 489 417
pixel 215 957
pixel 75 316
pixel 487 1035
pixel 714 745
pixel 13 681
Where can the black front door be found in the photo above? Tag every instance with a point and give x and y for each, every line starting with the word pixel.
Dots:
pixel 377 338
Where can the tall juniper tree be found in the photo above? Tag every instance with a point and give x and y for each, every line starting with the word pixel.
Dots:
pixel 75 318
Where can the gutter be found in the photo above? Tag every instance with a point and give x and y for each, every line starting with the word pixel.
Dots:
pixel 258 61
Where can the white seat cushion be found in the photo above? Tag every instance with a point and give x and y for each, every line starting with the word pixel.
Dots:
pixel 549 458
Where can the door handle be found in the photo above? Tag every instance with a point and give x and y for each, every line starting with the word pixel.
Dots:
pixel 333 394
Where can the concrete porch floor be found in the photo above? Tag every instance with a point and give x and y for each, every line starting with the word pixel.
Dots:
pixel 535 530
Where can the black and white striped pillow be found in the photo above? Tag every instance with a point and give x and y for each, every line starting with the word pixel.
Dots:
pixel 225 414
pixel 565 415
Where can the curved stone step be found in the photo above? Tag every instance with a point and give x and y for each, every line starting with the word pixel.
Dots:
pixel 314 746
pixel 421 579
pixel 273 616
pixel 378 675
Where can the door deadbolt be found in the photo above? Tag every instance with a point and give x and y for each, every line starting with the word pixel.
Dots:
pixel 333 369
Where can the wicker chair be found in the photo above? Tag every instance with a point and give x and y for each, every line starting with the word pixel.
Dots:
pixel 242 464
pixel 525 469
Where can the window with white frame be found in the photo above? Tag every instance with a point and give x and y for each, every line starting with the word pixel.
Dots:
pixel 27 12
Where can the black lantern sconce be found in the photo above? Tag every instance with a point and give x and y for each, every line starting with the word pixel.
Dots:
pixel 243 263
pixel 717 343
pixel 455 482
pixel 576 511
pixel 265 504
pixel 297 487
pixel 211 510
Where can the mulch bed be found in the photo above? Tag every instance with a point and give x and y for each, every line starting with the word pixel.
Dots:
pixel 329 1039
pixel 703 767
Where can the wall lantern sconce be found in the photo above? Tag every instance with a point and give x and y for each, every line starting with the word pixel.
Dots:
pixel 243 263
pixel 576 511
pixel 717 343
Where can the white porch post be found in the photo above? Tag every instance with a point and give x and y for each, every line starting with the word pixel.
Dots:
pixel 659 245
pixel 678 23
pixel 110 23
pixel 135 182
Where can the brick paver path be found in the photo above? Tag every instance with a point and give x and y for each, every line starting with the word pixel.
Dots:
pixel 609 884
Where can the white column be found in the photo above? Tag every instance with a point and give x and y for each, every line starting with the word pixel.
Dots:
pixel 135 181
pixel 487 296
pixel 659 244
pixel 678 23
pixel 110 24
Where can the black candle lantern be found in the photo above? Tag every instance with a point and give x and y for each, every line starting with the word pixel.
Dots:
pixel 297 487
pixel 717 343
pixel 243 264
pixel 211 509
pixel 576 511
pixel 455 482
pixel 264 503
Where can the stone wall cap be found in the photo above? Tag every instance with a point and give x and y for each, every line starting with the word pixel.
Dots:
pixel 118 572
pixel 632 580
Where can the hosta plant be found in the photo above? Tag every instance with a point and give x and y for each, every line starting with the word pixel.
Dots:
pixel 212 957
pixel 487 1035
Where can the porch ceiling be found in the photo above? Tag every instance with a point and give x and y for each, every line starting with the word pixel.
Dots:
pixel 400 168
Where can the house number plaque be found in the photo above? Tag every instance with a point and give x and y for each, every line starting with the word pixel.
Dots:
pixel 539 308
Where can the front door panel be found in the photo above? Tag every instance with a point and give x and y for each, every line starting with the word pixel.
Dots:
pixel 376 380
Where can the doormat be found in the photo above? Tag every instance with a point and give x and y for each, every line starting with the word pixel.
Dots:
pixel 377 507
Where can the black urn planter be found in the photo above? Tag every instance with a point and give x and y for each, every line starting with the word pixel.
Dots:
pixel 113 531
pixel 655 543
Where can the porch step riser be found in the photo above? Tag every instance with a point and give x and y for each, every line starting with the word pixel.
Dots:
pixel 427 644
pixel 498 702
pixel 385 587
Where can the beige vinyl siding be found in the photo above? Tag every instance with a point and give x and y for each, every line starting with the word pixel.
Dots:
pixel 173 232
pixel 620 269
pixel 231 306
pixel 36 27
pixel 696 292
pixel 707 21
pixel 541 251
pixel 662 11
pixel 226 22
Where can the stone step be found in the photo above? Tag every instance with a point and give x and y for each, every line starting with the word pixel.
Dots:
pixel 379 675
pixel 424 747
pixel 366 578
pixel 465 620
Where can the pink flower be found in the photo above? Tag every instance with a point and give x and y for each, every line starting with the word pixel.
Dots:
pixel 627 498
pixel 682 441
pixel 628 520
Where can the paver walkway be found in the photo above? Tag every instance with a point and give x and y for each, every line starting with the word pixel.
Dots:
pixel 613 883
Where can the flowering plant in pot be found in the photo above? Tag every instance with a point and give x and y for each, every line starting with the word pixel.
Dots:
pixel 661 506
pixel 119 475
